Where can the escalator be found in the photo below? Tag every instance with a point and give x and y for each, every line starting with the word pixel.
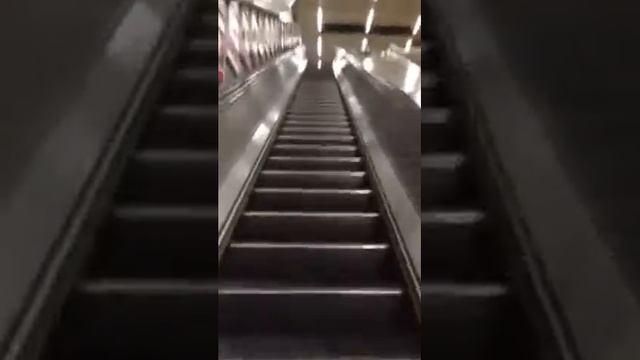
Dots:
pixel 471 307
pixel 309 271
pixel 148 288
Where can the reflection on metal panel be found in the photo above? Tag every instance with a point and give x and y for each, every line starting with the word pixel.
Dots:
pixel 390 68
pixel 245 126
pixel 406 216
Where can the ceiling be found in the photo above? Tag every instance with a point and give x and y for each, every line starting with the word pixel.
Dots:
pixel 387 12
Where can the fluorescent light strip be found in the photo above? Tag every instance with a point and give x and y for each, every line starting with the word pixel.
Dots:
pixel 319 19
pixel 319 46
pixel 365 42
pixel 319 64
pixel 407 45
pixel 369 21
pixel 416 26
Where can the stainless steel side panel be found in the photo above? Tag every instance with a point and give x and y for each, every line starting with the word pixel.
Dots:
pixel 401 200
pixel 246 122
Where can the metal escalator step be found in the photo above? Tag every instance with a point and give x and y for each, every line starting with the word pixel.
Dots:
pixel 336 345
pixel 145 316
pixel 200 52
pixel 202 45
pixel 313 163
pixel 312 179
pixel 475 315
pixel 309 226
pixel 197 85
pixel 187 176
pixel 459 247
pixel 312 310
pixel 429 80
pixel 314 150
pixel 320 113
pixel 187 127
pixel 315 124
pixel 316 117
pixel 319 263
pixel 438 130
pixel 316 109
pixel 207 25
pixel 311 199
pixel 302 130
pixel 316 139
pixel 144 241
pixel 442 178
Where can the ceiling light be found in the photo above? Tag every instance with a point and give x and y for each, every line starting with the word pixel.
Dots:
pixel 319 19
pixel 416 26
pixel 367 63
pixel 369 22
pixel 319 46
pixel 365 42
pixel 407 45
pixel 319 64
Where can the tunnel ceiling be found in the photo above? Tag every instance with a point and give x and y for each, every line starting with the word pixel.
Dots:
pixel 387 12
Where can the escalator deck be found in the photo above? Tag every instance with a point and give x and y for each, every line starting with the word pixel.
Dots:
pixel 309 271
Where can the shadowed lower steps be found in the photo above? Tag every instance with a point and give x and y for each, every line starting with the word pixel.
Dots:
pixel 148 290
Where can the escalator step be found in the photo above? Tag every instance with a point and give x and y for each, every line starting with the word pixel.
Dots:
pixel 145 316
pixel 316 117
pixel 148 242
pixel 311 199
pixel 297 226
pixel 190 127
pixel 473 315
pixel 314 150
pixel 437 130
pixel 316 139
pixel 314 163
pixel 312 179
pixel 442 178
pixel 329 264
pixel 200 52
pixel 301 130
pixel 325 309
pixel 193 85
pixel 188 176
pixel 459 247
pixel 318 124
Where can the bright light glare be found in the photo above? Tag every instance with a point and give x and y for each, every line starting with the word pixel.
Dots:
pixel 367 64
pixel 319 46
pixel 369 22
pixel 319 19
pixel 261 133
pixel 365 42
pixel 319 64
pixel 407 45
pixel 416 26
pixel 340 52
